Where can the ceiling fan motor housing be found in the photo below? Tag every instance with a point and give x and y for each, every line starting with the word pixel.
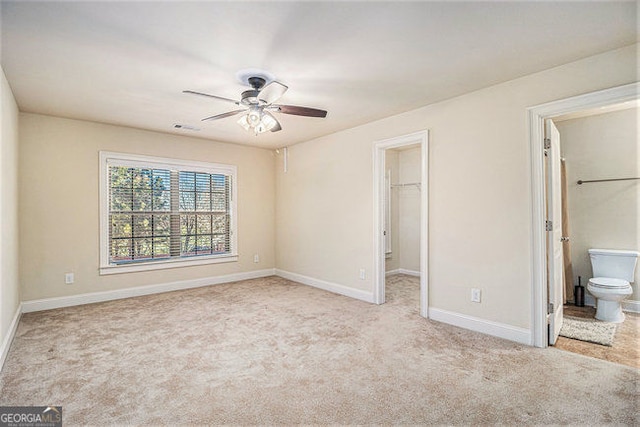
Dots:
pixel 250 97
pixel 256 82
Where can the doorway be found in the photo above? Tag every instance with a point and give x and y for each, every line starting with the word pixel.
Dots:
pixel 600 153
pixel 382 194
pixel 546 287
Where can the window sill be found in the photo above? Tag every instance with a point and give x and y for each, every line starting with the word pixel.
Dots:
pixel 161 265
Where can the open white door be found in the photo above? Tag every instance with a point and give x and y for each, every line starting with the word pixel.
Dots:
pixel 554 230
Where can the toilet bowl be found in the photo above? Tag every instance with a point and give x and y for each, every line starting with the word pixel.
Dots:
pixel 609 294
pixel 613 272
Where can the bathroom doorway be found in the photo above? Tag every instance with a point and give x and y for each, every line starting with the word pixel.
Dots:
pixel 400 218
pixel 549 290
pixel 600 151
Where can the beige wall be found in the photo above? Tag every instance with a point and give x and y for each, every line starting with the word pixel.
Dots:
pixel 59 203
pixel 606 214
pixel 9 284
pixel 479 192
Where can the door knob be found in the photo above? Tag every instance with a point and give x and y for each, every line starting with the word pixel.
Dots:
pixel 564 239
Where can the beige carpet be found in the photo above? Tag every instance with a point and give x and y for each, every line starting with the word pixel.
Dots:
pixel 270 351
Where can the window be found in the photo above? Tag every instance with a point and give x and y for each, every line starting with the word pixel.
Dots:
pixel 162 213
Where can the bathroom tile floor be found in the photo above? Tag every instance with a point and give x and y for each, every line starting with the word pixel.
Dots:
pixel 626 344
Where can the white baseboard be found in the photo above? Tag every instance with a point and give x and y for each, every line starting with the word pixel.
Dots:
pixel 403 271
pixel 631 305
pixel 8 338
pixel 409 272
pixel 501 330
pixel 68 301
pixel 327 286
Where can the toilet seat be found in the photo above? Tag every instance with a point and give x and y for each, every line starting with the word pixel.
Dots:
pixel 608 283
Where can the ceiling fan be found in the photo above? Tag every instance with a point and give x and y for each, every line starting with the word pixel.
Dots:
pixel 258 105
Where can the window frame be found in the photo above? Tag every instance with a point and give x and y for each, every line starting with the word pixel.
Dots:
pixel 108 158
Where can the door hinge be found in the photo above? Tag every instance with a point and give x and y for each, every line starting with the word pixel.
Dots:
pixel 548 225
pixel 547 143
pixel 550 308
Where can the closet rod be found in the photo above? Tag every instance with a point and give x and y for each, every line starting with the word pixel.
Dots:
pixel 580 181
pixel 417 184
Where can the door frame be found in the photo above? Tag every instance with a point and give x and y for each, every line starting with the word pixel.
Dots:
pixel 536 116
pixel 379 150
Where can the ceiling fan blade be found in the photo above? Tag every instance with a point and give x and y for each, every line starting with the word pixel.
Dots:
pixel 223 115
pixel 211 96
pixel 300 111
pixel 271 92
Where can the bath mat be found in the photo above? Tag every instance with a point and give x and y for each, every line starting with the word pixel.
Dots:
pixel 588 330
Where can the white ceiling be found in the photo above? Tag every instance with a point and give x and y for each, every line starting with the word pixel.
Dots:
pixel 127 63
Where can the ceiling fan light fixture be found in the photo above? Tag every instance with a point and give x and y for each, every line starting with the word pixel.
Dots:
pixel 257 121
pixel 268 121
pixel 260 128
pixel 244 122
pixel 254 116
pixel 266 124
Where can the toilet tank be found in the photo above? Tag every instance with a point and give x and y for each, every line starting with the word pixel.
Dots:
pixel 616 264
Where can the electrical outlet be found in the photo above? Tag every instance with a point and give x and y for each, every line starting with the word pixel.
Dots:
pixel 362 274
pixel 475 295
pixel 68 278
pixel 256 258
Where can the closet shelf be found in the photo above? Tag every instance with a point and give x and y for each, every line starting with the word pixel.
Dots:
pixel 408 184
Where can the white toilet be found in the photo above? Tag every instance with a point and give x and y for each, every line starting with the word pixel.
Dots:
pixel 613 272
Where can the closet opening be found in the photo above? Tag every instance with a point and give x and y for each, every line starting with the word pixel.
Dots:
pixel 401 221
